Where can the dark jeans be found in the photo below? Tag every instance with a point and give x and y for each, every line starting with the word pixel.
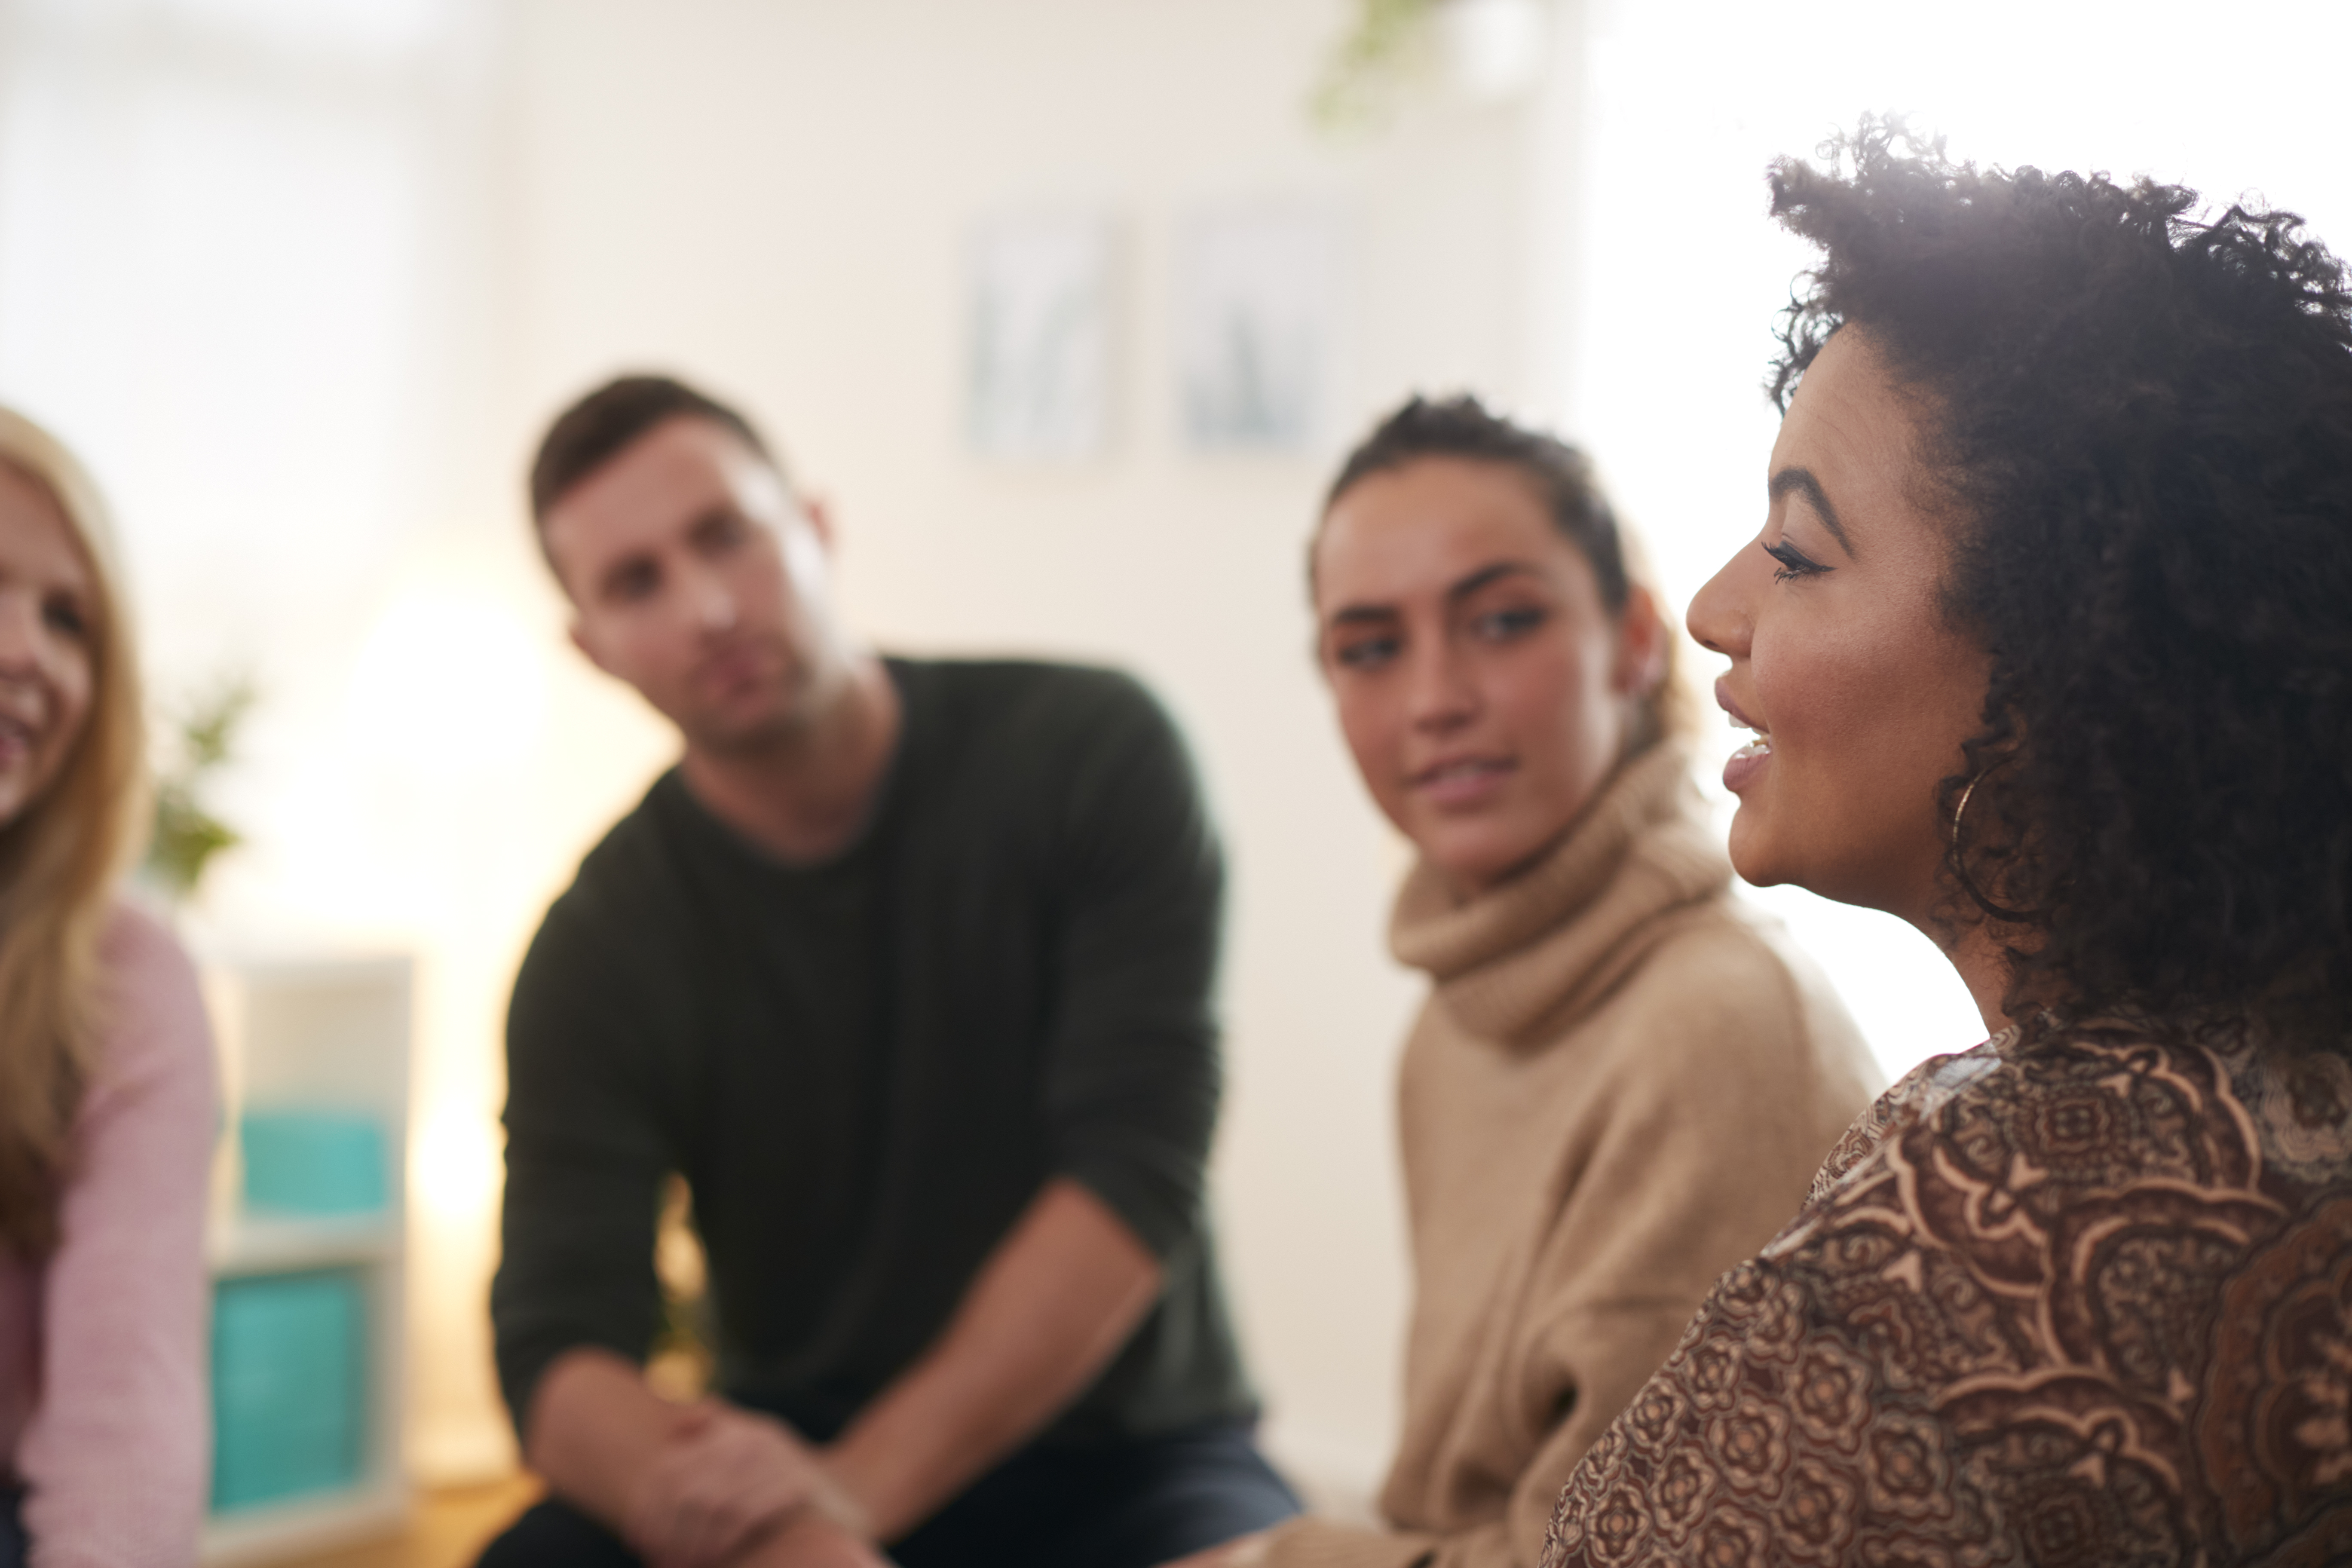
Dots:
pixel 1128 1505
pixel 16 1546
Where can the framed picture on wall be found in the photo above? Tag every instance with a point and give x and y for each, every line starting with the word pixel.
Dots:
pixel 1039 296
pixel 1257 322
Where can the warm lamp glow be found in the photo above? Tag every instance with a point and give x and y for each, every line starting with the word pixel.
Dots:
pixel 449 684
pixel 453 1169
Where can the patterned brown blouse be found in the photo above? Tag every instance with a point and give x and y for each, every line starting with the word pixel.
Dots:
pixel 2087 1304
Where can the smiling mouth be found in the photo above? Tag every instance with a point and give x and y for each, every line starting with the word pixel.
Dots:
pixel 1760 742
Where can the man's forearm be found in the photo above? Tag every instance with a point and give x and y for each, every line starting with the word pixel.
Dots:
pixel 593 1429
pixel 1050 1307
pixel 701 1486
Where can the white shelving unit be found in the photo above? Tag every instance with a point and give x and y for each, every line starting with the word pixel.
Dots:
pixel 318 1035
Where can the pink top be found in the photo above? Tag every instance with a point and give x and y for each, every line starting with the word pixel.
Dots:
pixel 102 1416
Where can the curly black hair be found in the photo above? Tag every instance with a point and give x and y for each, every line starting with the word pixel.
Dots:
pixel 2141 420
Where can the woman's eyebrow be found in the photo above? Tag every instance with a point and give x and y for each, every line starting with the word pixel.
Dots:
pixel 1353 613
pixel 1802 481
pixel 1485 575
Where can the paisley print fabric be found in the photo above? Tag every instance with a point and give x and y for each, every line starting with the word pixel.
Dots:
pixel 2086 1303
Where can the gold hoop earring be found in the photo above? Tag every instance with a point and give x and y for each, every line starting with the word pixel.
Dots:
pixel 1961 810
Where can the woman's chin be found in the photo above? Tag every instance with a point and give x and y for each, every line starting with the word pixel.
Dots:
pixel 1752 851
pixel 1472 863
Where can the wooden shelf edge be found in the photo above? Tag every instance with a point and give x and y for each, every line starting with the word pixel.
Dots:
pixel 249 1246
pixel 270 1532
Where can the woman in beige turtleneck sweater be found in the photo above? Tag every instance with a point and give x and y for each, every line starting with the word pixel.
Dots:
pixel 1623 1080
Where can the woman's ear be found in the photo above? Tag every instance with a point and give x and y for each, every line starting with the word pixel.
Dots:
pixel 1642 644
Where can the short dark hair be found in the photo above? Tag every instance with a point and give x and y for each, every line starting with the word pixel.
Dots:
pixel 1462 426
pixel 599 426
pixel 2138 421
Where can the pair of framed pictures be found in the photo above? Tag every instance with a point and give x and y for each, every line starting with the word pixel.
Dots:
pixel 1251 332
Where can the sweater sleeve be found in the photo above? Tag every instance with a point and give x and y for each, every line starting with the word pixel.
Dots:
pixel 1614 1349
pixel 1714 1122
pixel 586 1156
pixel 114 1460
pixel 1132 1074
pixel 1717 1122
pixel 1310 1542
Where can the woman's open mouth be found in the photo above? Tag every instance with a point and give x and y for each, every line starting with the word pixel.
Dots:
pixel 1745 763
pixel 1740 769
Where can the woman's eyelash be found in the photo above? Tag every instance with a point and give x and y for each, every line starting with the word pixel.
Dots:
pixel 1794 562
pixel 1510 622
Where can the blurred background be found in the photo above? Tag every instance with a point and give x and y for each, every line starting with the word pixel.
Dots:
pixel 1067 307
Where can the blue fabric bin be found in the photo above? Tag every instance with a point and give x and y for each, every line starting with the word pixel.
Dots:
pixel 313 1162
pixel 289 1386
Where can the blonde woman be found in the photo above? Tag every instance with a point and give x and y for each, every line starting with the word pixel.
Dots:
pixel 1622 1080
pixel 106 1070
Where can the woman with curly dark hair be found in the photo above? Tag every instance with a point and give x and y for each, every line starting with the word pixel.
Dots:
pixel 2047 646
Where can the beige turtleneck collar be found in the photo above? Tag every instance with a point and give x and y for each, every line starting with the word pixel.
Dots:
pixel 1543 945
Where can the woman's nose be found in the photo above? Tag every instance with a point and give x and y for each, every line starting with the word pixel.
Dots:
pixel 20 631
pixel 1720 618
pixel 1441 692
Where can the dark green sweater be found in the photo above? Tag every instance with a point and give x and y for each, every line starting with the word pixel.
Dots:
pixel 866 1068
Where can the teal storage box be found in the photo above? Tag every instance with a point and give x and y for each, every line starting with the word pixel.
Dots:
pixel 289 1386
pixel 312 1161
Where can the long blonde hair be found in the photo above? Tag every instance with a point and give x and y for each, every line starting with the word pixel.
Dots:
pixel 58 862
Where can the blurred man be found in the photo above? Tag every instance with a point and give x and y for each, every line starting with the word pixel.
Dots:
pixel 906 968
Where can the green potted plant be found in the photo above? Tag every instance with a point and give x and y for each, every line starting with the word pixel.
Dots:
pixel 185 837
